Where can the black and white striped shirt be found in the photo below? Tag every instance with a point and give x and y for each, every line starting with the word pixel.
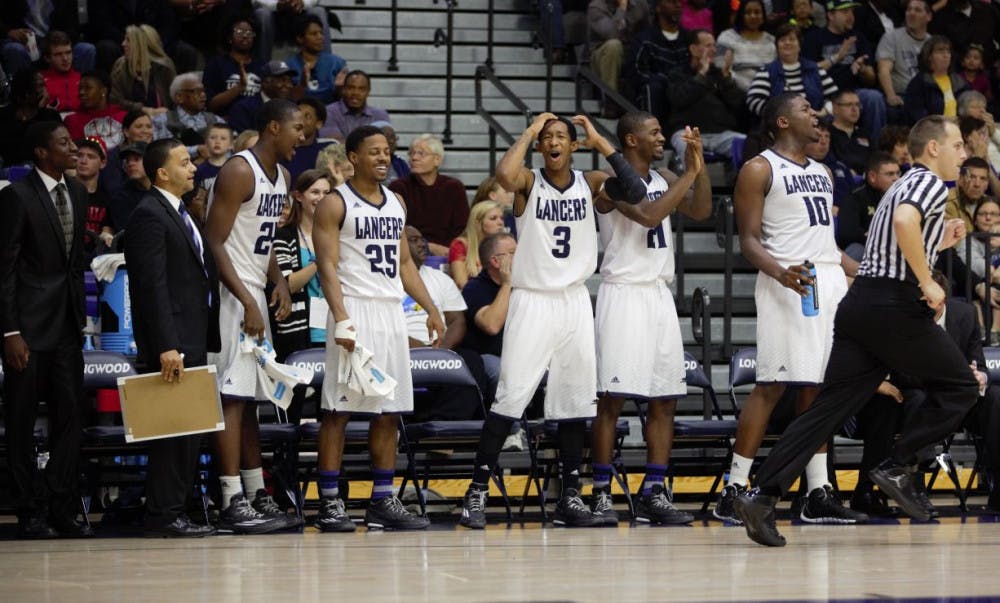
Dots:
pixel 922 189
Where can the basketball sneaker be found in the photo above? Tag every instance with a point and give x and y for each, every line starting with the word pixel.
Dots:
pixel 822 505
pixel 474 509
pixel 333 516
pixel 724 510
pixel 389 514
pixel 241 518
pixel 572 512
pixel 899 484
pixel 264 504
pixel 658 507
pixel 603 507
pixel 756 512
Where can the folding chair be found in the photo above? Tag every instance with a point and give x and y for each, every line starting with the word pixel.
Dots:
pixel 992 355
pixel 742 371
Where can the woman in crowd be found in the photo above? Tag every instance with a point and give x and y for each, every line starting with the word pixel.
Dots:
pixel 333 161
pixel 485 219
pixel 490 190
pixel 140 78
pixel 137 126
pixel 790 73
pixel 936 87
pixel 986 218
pixel 752 47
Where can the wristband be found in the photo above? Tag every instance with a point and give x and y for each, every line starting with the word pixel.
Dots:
pixel 344 329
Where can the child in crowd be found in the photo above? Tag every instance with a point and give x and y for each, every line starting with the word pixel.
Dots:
pixel 219 142
pixel 973 72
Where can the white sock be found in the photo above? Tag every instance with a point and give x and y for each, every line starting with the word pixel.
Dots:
pixel 739 471
pixel 253 480
pixel 231 486
pixel 816 473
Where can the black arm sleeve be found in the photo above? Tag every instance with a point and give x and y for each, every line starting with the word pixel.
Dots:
pixel 626 185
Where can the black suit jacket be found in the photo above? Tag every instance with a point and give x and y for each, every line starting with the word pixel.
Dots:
pixel 169 285
pixel 962 325
pixel 40 285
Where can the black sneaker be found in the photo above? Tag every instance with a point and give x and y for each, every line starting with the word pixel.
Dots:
pixel 925 501
pixel 756 511
pixel 603 507
pixel 241 518
pixel 572 512
pixel 658 507
pixel 724 510
pixel 333 516
pixel 474 509
pixel 898 484
pixel 264 504
pixel 873 503
pixel 389 514
pixel 822 505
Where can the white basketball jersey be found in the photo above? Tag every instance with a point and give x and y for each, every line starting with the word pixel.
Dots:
pixel 556 235
pixel 249 242
pixel 797 224
pixel 369 245
pixel 634 253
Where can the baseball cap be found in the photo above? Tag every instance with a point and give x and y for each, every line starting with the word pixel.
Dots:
pixel 274 68
pixel 841 4
pixel 134 148
pixel 94 142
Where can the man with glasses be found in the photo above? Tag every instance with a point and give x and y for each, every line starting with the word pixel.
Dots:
pixel 849 142
pixel 188 120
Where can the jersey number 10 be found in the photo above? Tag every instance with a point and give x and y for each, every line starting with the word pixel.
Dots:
pixel 819 213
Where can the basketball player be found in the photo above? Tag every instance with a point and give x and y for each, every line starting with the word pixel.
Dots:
pixel 640 353
pixel 365 267
pixel 550 322
pixel 783 201
pixel 247 200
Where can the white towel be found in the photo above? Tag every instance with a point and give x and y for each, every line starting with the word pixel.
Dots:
pixel 105 266
pixel 275 379
pixel 358 371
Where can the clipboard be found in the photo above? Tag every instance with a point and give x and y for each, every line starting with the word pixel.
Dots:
pixel 154 409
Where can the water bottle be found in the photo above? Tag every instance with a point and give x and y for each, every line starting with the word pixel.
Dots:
pixel 810 303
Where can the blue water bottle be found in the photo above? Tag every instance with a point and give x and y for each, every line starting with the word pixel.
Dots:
pixel 810 303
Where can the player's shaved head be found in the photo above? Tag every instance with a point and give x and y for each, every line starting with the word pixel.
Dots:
pixel 563 120
pixel 631 123
pixel 775 108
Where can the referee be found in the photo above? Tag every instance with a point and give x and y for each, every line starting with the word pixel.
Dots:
pixel 886 323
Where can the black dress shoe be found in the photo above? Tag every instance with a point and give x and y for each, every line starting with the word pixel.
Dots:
pixel 756 511
pixel 873 504
pixel 181 527
pixel 71 528
pixel 900 484
pixel 35 528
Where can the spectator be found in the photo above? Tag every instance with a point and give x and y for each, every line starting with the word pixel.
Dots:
pixel 91 157
pixel 126 198
pixel 654 53
pixel 235 73
pixel 986 219
pixel 935 88
pixel 198 24
pixel 245 140
pixel 973 72
pixel 790 73
pixel 276 82
pixel 965 22
pixel 490 190
pixel 333 160
pixel 563 25
pixel 848 141
pixel 447 299
pixel 972 185
pixel 278 19
pixel 219 146
pixel 96 117
pixel 24 25
pixel 398 168
pixel 321 73
pixel 973 104
pixel 898 55
pixel 313 116
pixel 802 16
pixel 28 106
pixel 61 79
pixel 894 142
pixel 611 25
pixel 849 58
pixel 436 204
pixel 136 127
pixel 141 77
pixel 819 151
pixel 485 219
pixel 704 96
pixel 695 14
pixel 751 47
pixel 858 208
pixel 976 135
pixel 188 121
pixel 875 18
pixel 352 110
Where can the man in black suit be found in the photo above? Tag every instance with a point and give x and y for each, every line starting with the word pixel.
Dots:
pixel 171 283
pixel 42 309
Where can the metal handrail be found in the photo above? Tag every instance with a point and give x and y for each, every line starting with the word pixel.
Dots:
pixel 485 72
pixel 724 232
pixel 393 65
pixel 701 328
pixel 585 74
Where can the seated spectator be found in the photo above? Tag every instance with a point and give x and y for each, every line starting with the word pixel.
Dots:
pixel 333 160
pixel 235 73
pixel 91 157
pixel 611 25
pixel 485 219
pixel 563 25
pixel 321 73
pixel 894 142
pixel 857 209
pixel 313 116
pixel 875 18
pixel 141 77
pixel 96 117
pixel 398 168
pixel 801 15
pixel 985 264
pixel 790 73
pixel 447 298
pixel 843 181
pixel 124 199
pixel 935 88
pixel 436 204
pixel 848 141
pixel 695 14
pixel 898 55
pixel 973 104
pixel 969 192
pixel 197 23
pixel 654 53
pixel 107 22
pixel 352 110
pixel 28 100
pixel 219 147
pixel 964 22
pixel 61 79
pixel 849 59
pixel 278 18
pixel 750 45
pixel 24 26
pixel 707 97
pixel 188 120
pixel 276 82
pixel 974 73
pixel 490 190
pixel 976 135
pixel 245 140
pixel 136 127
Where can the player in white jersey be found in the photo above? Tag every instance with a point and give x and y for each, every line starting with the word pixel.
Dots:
pixel 783 202
pixel 550 322
pixel 640 353
pixel 365 269
pixel 243 213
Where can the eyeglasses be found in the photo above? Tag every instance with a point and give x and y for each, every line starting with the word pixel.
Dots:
pixel 198 90
pixel 855 105
pixel 244 32
pixel 991 214
pixel 418 154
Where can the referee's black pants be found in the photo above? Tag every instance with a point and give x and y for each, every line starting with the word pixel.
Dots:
pixel 881 325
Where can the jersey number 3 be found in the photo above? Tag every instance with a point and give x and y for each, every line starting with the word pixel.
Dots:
pixel 382 259
pixel 819 213
pixel 561 233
